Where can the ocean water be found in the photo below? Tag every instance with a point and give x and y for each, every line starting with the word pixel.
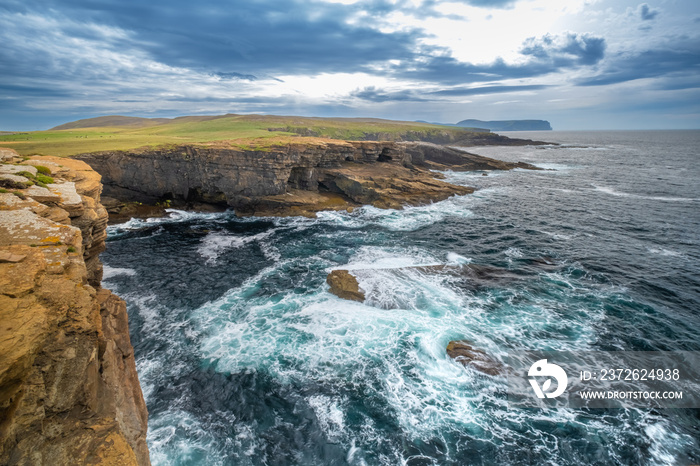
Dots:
pixel 245 358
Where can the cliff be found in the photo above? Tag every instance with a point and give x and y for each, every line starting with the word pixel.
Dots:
pixel 69 392
pixel 290 179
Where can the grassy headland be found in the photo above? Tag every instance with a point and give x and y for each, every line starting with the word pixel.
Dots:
pixel 245 131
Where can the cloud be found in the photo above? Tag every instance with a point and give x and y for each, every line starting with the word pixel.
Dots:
pixel 477 3
pixel 490 3
pixel 646 13
pixel 270 37
pixel 566 50
pixel 677 58
pixel 163 50
pixel 84 57
pixel 234 75
pixel 543 55
pixel 372 94
pixel 483 90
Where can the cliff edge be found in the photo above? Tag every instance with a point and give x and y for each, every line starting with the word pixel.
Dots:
pixel 69 391
pixel 290 179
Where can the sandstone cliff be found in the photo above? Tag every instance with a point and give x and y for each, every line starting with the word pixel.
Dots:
pixel 292 179
pixel 69 392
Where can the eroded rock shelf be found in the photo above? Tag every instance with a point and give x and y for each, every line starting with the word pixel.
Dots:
pixel 291 179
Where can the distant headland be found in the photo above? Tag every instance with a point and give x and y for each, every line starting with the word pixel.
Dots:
pixel 502 125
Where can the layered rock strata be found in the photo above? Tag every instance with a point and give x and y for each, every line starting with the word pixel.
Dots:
pixel 292 179
pixel 69 392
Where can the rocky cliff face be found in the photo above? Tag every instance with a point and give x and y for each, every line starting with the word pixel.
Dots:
pixel 69 392
pixel 294 179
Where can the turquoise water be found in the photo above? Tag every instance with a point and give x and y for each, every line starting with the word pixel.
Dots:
pixel 246 358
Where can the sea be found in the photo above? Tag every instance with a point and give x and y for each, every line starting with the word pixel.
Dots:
pixel 246 358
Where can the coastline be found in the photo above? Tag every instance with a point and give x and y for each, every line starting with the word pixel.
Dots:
pixel 241 306
pixel 287 180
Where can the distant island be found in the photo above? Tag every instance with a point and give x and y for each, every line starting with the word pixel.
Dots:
pixel 507 125
pixel 501 125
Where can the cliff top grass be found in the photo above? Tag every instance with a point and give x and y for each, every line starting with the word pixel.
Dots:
pixel 244 131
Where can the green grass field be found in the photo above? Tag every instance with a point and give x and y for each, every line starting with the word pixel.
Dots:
pixel 257 131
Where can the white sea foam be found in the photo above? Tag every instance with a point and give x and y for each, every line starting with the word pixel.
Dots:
pixel 514 253
pixel 174 216
pixel 397 338
pixel 586 148
pixel 175 433
pixel 412 218
pixel 454 258
pixel 553 167
pixel 330 415
pixel 665 252
pixel 666 445
pixel 216 243
pixel 409 218
pixel 613 192
pixel 560 236
pixel 373 257
pixel 109 272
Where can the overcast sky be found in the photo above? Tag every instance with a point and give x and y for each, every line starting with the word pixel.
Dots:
pixel 581 64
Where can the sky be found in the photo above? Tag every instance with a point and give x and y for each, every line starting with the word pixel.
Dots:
pixel 580 64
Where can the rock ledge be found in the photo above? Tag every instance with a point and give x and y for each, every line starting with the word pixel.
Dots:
pixel 69 392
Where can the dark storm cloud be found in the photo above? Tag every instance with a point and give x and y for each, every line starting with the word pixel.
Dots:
pixel 564 51
pixel 646 13
pixel 18 91
pixel 373 94
pixel 253 41
pixel 684 60
pixel 89 57
pixel 266 36
pixel 547 54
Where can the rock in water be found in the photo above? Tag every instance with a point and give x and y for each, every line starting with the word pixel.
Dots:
pixel 345 286
pixel 464 353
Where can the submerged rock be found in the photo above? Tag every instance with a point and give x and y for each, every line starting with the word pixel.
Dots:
pixel 345 286
pixel 464 353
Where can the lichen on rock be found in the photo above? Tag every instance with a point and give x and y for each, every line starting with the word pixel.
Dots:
pixel 69 391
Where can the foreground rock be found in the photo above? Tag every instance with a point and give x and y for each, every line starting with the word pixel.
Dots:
pixel 345 285
pixel 464 353
pixel 69 392
pixel 292 179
